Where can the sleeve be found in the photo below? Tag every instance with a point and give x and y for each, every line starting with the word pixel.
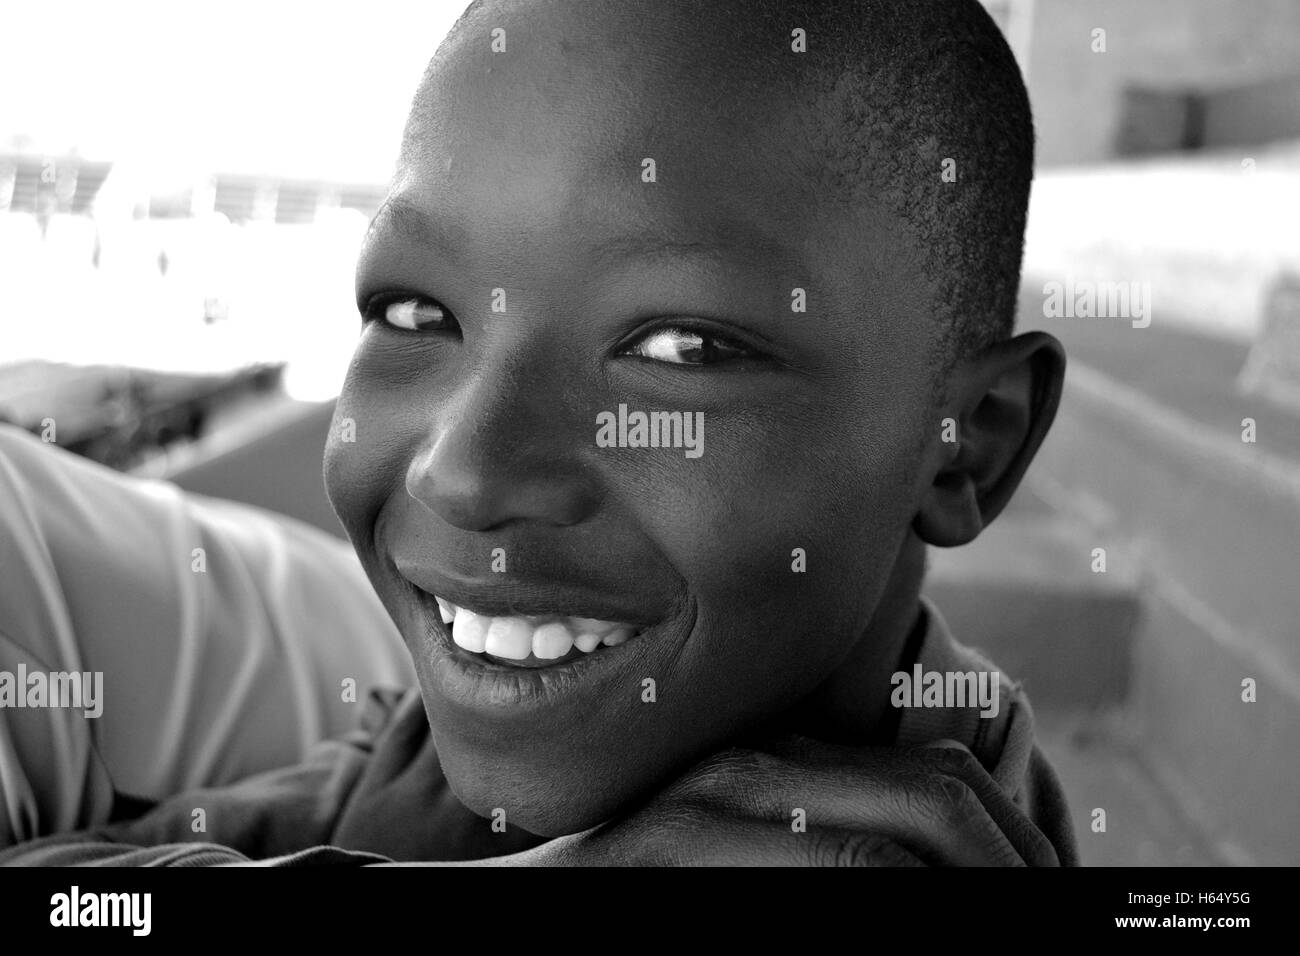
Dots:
pixel 1024 772
pixel 290 816
pixel 1045 804
pixel 154 641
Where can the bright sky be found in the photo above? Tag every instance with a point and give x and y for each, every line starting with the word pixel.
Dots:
pixel 277 86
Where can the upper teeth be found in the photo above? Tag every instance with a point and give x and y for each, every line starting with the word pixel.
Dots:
pixel 516 636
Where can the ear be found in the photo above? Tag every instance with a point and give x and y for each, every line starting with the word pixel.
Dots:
pixel 1002 402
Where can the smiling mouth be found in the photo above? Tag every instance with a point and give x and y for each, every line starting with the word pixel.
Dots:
pixel 531 640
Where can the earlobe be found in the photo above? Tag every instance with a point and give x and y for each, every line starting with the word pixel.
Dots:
pixel 950 516
pixel 1003 401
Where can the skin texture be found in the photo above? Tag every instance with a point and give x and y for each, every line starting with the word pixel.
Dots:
pixel 522 171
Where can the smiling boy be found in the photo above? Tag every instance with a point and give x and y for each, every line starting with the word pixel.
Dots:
pixel 797 224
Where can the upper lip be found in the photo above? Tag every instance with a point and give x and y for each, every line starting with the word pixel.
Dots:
pixel 529 598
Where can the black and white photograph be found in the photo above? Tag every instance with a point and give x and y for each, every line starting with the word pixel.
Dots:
pixel 650 434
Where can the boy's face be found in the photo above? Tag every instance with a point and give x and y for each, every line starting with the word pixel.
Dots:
pixel 523 171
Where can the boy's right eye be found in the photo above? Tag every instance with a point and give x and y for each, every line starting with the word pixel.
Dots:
pixel 411 313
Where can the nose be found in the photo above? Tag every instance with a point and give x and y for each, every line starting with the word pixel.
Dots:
pixel 503 448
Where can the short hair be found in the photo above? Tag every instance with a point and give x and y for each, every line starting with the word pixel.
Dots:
pixel 900 87
pixel 895 88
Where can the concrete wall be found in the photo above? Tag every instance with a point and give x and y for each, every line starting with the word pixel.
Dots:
pixel 1210 233
pixel 1211 528
pixel 1205 44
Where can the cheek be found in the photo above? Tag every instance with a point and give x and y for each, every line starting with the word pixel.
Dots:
pixel 786 537
pixel 794 515
pixel 363 461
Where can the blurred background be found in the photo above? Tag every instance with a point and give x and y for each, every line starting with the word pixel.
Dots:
pixel 183 189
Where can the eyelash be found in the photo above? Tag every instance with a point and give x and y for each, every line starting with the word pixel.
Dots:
pixel 376 309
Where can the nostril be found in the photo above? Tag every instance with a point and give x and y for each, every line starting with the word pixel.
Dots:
pixel 473 493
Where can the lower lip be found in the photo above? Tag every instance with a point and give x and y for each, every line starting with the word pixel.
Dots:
pixel 474 682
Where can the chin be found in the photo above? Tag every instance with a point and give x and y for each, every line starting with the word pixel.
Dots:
pixel 550 803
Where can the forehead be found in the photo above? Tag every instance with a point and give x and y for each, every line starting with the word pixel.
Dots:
pixel 562 126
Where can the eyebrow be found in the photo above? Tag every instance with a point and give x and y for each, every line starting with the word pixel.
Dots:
pixel 411 222
pixel 417 225
pixel 653 244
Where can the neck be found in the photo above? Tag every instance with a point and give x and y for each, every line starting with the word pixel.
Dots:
pixel 852 705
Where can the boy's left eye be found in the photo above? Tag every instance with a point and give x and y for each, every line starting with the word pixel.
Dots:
pixel 680 346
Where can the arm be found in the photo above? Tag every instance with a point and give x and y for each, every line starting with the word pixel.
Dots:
pixel 222 635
